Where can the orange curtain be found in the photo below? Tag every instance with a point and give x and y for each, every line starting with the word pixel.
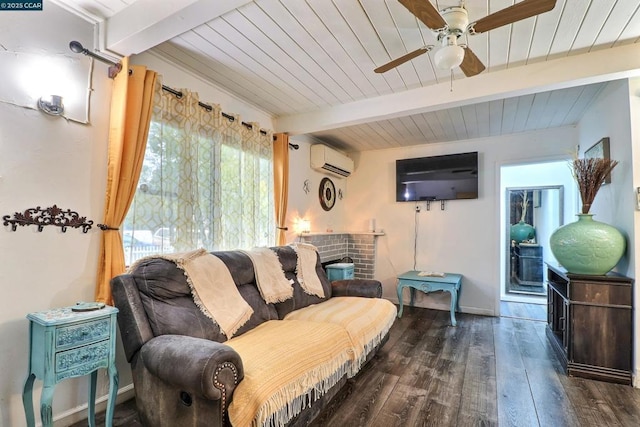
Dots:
pixel 131 106
pixel 281 184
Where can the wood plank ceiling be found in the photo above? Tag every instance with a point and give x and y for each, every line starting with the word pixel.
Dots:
pixel 293 57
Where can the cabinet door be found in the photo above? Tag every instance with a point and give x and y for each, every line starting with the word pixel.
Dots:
pixel 601 336
pixel 566 326
pixel 550 307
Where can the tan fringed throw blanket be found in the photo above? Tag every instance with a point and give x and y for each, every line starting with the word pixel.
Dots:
pixel 366 320
pixel 272 283
pixel 306 269
pixel 285 368
pixel 212 287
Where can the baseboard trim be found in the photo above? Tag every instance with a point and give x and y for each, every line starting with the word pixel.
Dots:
pixel 79 413
pixel 464 309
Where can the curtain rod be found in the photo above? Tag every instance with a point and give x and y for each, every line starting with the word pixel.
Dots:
pixel 178 95
pixel 207 107
pixel 116 67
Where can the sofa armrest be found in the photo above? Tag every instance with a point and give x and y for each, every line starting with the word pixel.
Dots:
pixel 132 319
pixel 356 288
pixel 205 368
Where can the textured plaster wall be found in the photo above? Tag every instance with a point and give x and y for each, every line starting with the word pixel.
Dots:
pixel 45 161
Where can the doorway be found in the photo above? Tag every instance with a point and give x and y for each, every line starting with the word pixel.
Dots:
pixel 537 198
pixel 534 213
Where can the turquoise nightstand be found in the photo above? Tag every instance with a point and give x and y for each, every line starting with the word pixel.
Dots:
pixel 66 344
pixel 449 282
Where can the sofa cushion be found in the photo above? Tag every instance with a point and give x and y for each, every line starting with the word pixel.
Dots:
pixel 289 259
pixel 168 303
pixel 366 320
pixel 287 365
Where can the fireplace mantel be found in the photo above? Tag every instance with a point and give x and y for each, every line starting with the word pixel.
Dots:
pixel 357 245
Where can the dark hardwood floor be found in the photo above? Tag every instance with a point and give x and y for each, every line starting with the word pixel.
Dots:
pixel 484 372
pixel 521 310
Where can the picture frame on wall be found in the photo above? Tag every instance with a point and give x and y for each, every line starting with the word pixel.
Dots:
pixel 599 150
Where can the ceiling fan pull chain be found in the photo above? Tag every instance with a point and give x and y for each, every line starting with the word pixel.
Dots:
pixel 451 88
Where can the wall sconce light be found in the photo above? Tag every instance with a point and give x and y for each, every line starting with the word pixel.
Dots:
pixel 305 226
pixel 51 104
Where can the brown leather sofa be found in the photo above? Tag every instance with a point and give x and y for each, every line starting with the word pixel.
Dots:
pixel 183 373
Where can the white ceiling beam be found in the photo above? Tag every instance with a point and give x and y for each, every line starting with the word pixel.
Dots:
pixel 597 66
pixel 147 23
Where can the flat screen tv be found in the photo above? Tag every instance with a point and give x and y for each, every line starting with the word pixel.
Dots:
pixel 448 177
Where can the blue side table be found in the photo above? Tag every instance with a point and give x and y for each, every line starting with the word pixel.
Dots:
pixel 66 344
pixel 451 283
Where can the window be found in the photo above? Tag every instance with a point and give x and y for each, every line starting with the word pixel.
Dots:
pixel 206 181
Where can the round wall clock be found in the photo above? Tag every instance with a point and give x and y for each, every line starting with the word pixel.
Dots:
pixel 327 194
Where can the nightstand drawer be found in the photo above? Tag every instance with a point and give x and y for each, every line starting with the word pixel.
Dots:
pixel 83 333
pixel 82 360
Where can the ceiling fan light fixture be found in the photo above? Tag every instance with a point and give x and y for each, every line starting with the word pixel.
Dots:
pixel 449 57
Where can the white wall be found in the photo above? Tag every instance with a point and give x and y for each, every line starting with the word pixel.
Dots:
pixel 634 243
pixel 615 114
pixel 465 237
pixel 45 161
pixel 614 204
pixel 306 205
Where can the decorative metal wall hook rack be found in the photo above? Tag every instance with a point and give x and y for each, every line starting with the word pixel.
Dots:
pixel 48 216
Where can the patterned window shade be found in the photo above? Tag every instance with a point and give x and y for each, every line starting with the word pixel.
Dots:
pixel 206 182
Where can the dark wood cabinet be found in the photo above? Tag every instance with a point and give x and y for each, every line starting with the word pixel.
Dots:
pixel 529 258
pixel 590 324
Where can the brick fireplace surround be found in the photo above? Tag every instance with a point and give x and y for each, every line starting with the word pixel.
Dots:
pixel 332 247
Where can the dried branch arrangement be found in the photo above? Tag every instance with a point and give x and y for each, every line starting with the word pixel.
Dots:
pixel 590 174
pixel 524 204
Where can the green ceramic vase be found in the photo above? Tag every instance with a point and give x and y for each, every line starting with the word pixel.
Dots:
pixel 587 246
pixel 522 231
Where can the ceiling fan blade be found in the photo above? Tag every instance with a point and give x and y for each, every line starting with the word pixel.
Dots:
pixel 426 12
pixel 404 58
pixel 519 11
pixel 471 65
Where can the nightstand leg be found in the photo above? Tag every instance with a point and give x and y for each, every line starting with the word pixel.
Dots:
pixel 113 391
pixel 27 400
pixel 93 380
pixel 400 301
pixel 46 399
pixel 454 304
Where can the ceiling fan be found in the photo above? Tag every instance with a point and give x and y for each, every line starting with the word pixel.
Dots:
pixel 452 23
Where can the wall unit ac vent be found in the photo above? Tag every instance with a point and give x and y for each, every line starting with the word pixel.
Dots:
pixel 326 159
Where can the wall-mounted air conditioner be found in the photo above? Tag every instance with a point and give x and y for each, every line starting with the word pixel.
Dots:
pixel 326 159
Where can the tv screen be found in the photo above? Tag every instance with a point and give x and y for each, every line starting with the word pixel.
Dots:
pixel 449 177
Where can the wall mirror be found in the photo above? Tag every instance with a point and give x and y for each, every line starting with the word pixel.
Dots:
pixel 533 213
